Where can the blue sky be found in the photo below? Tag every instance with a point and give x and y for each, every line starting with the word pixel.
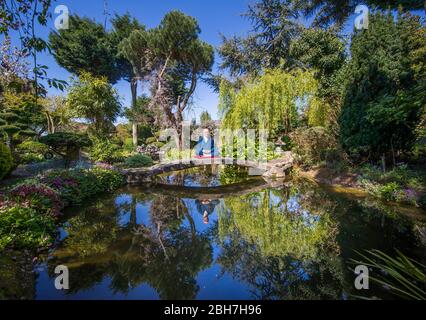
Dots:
pixel 215 17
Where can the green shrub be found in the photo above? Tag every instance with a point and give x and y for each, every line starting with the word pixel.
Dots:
pixel 31 146
pixel 27 217
pixel 139 160
pixel 151 140
pixel 128 144
pixel 389 191
pixel 38 196
pixel 314 146
pixel 66 143
pixel 105 151
pixel 32 151
pixel 74 186
pixel 6 160
pixel 25 228
pixel 401 175
pixel 108 180
pixel 158 144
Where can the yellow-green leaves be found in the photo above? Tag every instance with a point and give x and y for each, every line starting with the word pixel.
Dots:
pixel 274 101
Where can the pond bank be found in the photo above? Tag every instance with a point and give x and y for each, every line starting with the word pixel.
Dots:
pixel 394 188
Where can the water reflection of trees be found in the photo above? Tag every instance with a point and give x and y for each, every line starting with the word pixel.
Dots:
pixel 205 176
pixel 282 249
pixel 17 279
pixel 164 253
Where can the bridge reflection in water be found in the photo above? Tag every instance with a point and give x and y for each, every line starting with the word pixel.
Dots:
pixel 271 169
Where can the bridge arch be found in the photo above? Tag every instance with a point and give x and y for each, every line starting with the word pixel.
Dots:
pixel 272 169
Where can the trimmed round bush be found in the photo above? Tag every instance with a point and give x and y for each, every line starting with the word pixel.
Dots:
pixel 6 160
pixel 32 151
pixel 31 146
pixel 139 160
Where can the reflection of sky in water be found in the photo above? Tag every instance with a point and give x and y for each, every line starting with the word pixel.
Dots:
pixel 294 206
pixel 218 279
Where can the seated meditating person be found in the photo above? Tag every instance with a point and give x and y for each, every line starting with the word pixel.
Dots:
pixel 206 208
pixel 205 147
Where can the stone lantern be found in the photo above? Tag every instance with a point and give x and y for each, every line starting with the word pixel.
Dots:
pixel 279 145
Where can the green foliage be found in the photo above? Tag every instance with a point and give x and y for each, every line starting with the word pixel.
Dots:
pixel 20 115
pixel 32 151
pixel 312 146
pixel 32 146
pixel 400 184
pixel 328 12
pixel 324 52
pixel 96 100
pixel 403 276
pixel 400 174
pixel 22 227
pixel 65 139
pixel 134 48
pixel 205 117
pixel 66 144
pixel 384 90
pixel 75 186
pixel 140 113
pixel 309 232
pixel 27 218
pixel 85 47
pixel 272 101
pixel 181 59
pixel 273 27
pixel 138 161
pixel 157 144
pixel 6 160
pixel 151 140
pixel 123 26
pixel 104 150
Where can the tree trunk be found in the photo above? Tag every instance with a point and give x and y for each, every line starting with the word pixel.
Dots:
pixel 393 154
pixel 50 124
pixel 134 89
pixel 135 134
pixel 384 163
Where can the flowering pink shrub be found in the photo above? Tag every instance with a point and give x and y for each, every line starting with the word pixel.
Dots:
pixel 38 196
pixel 29 210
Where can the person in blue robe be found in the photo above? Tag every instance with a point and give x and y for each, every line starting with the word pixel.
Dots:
pixel 206 146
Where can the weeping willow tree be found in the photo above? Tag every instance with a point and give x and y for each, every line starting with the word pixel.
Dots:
pixel 276 101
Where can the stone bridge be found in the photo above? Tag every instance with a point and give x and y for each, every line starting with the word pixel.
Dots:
pixel 272 169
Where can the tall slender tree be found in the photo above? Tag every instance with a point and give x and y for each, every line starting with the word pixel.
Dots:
pixel 134 48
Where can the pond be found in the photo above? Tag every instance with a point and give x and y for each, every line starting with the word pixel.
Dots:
pixel 233 241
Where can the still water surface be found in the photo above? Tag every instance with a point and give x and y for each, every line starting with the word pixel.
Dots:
pixel 250 241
